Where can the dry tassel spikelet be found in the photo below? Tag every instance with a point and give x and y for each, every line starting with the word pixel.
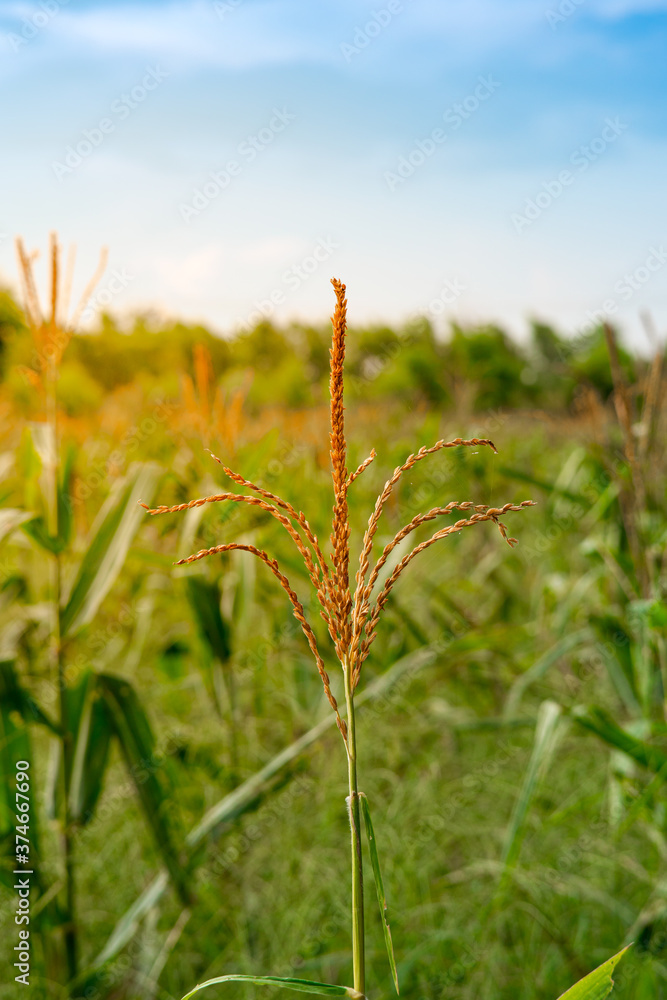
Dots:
pixel 351 620
pixel 52 332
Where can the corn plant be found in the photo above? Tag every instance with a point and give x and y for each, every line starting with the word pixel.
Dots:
pixel 627 624
pixel 91 710
pixel 352 619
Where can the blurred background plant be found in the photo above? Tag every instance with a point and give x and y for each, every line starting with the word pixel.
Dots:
pixel 514 716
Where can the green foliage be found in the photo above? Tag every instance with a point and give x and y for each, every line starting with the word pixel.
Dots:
pixel 590 363
pixel 11 325
pixel 546 737
pixel 300 985
pixel 107 548
pixel 131 727
pixel 37 527
pixel 488 360
pixel 92 744
pixel 597 984
pixel 483 367
pixel 379 886
pixel 599 722
pixel 81 393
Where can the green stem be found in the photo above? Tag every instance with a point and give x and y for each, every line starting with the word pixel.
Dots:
pixel 358 945
pixel 67 748
pixel 70 931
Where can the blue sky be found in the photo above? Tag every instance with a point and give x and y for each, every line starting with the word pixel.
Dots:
pixel 477 160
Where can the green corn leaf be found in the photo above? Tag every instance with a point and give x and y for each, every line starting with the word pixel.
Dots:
pixel 112 536
pixel 617 651
pixel 544 744
pixel 91 752
pixel 74 697
pixel 597 984
pixel 65 499
pixel 134 734
pixel 14 696
pixel 38 531
pixel 379 886
pixel 14 746
pixel 37 527
pixel 301 985
pixel 204 599
pixel 597 721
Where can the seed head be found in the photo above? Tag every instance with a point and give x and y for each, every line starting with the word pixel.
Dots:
pixel 352 622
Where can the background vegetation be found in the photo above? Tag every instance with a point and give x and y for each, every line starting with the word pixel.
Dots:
pixel 514 723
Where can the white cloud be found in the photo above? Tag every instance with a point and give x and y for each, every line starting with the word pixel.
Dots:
pixel 262 33
pixel 189 273
pixel 258 33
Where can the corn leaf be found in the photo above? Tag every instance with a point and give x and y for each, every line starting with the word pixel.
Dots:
pixel 301 985
pixel 597 721
pixel 15 698
pixel 94 731
pixel 548 717
pixel 204 599
pixel 138 747
pixel 113 532
pixel 618 646
pixel 14 745
pixel 379 887
pixel 597 984
pixel 37 527
pixel 74 697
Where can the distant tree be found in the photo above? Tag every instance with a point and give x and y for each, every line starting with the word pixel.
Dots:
pixel 589 362
pixel 491 365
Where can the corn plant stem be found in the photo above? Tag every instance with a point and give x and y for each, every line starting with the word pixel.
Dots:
pixel 358 944
pixel 69 930
pixel 233 727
